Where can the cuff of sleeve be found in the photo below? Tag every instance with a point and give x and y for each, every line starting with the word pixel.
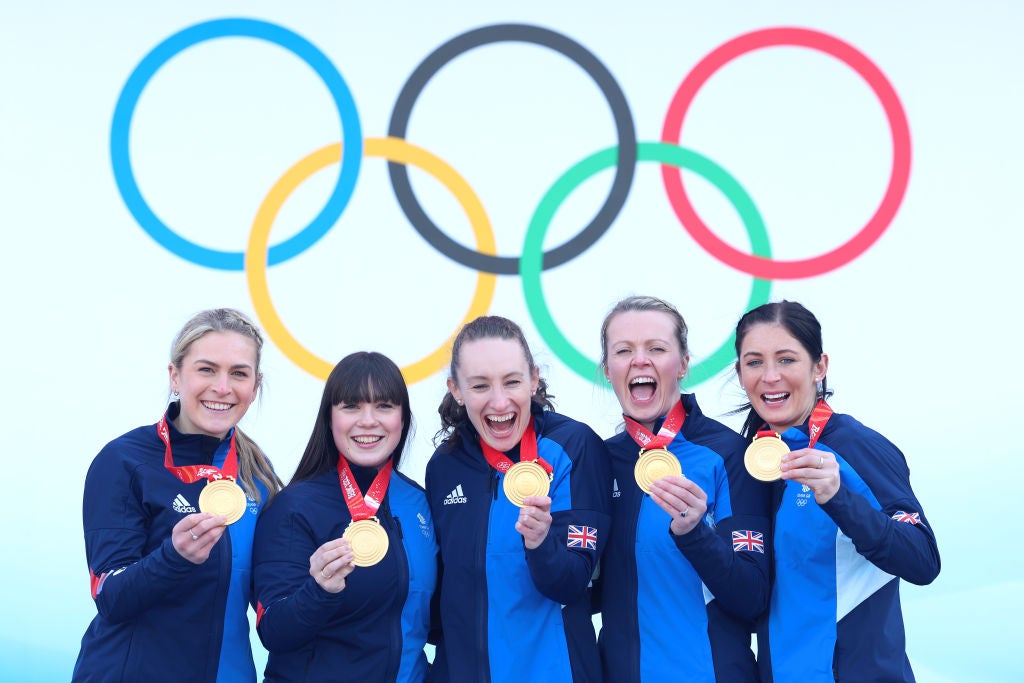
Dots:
pixel 541 556
pixel 173 561
pixel 695 536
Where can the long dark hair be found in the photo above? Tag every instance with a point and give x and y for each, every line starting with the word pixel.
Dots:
pixel 361 377
pixel 484 327
pixel 801 324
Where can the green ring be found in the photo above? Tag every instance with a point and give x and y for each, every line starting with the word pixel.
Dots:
pixel 530 264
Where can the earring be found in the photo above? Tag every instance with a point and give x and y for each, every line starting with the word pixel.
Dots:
pixel 175 396
pixel 459 401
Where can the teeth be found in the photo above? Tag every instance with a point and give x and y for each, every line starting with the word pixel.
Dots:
pixel 775 397
pixel 642 380
pixel 217 406
pixel 366 439
pixel 501 418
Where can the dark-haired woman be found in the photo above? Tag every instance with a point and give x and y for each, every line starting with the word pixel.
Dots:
pixel 345 561
pixel 848 526
pixel 517 561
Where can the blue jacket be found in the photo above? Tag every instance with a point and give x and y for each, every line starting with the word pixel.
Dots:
pixel 374 629
pixel 160 617
pixel 835 608
pixel 683 607
pixel 507 613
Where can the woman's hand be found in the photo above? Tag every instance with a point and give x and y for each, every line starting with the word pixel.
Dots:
pixel 195 535
pixel 331 563
pixel 817 470
pixel 534 520
pixel 682 499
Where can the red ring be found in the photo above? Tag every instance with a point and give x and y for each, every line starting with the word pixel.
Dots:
pixel 768 268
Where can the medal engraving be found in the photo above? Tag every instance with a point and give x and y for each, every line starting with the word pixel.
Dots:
pixel 369 541
pixel 653 465
pixel 763 457
pixel 525 479
pixel 223 497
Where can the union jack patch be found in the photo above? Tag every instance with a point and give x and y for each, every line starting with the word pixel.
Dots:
pixel 750 541
pixel 910 517
pixel 582 537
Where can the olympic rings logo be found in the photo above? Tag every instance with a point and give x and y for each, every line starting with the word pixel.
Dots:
pixel 400 153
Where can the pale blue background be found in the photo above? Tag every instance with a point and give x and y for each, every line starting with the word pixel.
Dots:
pixel 922 329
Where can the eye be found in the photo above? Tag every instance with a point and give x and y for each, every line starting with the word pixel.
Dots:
pixel 242 374
pixel 206 369
pixel 753 363
pixel 348 406
pixel 620 352
pixel 478 387
pixel 787 361
pixel 386 405
pixel 657 349
pixel 513 383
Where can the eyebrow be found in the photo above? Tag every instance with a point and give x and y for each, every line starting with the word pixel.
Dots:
pixel 652 340
pixel 236 366
pixel 758 353
pixel 479 378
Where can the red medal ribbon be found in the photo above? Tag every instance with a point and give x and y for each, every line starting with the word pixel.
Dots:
pixel 669 428
pixel 193 473
pixel 819 417
pixel 527 452
pixel 815 424
pixel 359 506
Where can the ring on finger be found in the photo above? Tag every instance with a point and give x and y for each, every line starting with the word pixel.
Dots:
pixel 684 512
pixel 192 533
pixel 325 574
pixel 821 461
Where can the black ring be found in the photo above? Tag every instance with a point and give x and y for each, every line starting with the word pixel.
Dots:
pixel 623 117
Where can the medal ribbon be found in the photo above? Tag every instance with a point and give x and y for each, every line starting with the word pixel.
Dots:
pixel 819 417
pixel 359 506
pixel 193 473
pixel 527 452
pixel 669 428
pixel 815 424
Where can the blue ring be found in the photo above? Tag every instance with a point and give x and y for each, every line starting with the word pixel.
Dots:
pixel 352 141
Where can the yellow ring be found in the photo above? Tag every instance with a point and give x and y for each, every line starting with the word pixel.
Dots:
pixel 392 149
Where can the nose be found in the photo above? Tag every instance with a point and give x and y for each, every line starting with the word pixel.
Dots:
pixel 221 383
pixel 640 358
pixel 500 398
pixel 367 416
pixel 771 373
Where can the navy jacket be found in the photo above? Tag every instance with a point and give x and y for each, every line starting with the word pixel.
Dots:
pixel 374 629
pixel 683 607
pixel 160 617
pixel 507 613
pixel 835 608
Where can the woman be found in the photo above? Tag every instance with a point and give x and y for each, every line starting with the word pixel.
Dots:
pixel 345 561
pixel 847 524
pixel 676 605
pixel 169 578
pixel 518 552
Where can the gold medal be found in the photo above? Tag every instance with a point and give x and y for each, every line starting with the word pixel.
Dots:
pixel 763 457
pixel 369 541
pixel 653 465
pixel 223 497
pixel 525 479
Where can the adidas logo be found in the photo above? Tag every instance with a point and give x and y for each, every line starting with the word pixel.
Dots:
pixel 616 493
pixel 456 496
pixel 181 505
